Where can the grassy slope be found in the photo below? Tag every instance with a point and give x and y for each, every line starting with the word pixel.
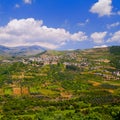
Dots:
pixel 59 93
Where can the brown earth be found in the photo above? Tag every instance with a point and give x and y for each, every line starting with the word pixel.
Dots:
pixel 17 91
pixel 25 91
pixel 20 91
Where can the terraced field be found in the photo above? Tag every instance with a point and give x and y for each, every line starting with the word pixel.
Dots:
pixel 81 86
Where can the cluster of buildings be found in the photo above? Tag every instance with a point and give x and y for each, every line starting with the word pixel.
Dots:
pixel 73 59
pixel 42 60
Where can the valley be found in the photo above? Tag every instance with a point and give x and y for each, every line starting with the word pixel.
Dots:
pixel 61 85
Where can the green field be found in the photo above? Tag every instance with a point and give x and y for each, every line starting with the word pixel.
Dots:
pixel 86 88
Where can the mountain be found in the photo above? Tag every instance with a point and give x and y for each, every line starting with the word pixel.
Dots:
pixel 21 50
pixel 3 49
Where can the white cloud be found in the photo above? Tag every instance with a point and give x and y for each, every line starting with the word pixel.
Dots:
pixel 27 1
pixel 102 8
pixel 17 6
pixel 98 37
pixel 101 46
pixel 113 25
pixel 80 36
pixel 115 37
pixel 33 32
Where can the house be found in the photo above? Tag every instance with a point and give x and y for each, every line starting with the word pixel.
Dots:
pixel 117 73
pixel 6 61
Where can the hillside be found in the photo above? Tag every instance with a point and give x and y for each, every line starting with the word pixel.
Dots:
pixel 61 85
pixel 20 50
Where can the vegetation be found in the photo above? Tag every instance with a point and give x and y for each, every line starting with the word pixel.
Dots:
pixel 115 56
pixel 82 85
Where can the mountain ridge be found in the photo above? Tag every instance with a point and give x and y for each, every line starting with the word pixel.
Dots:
pixel 21 50
pixel 35 49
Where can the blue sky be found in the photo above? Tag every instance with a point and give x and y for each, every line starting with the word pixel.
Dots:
pixel 60 24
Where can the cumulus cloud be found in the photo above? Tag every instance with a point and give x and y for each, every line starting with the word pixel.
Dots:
pixel 27 1
pixel 115 37
pixel 113 25
pixel 34 32
pixel 80 36
pixel 101 46
pixel 98 37
pixel 102 8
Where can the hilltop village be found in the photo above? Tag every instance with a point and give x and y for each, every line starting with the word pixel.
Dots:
pixel 87 61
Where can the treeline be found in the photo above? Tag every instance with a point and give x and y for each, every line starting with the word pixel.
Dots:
pixel 29 108
pixel 115 50
pixel 115 56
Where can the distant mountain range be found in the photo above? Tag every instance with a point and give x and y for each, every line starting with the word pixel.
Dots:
pixel 21 50
pixel 36 50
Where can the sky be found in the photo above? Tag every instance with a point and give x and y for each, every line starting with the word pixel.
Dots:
pixel 60 24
